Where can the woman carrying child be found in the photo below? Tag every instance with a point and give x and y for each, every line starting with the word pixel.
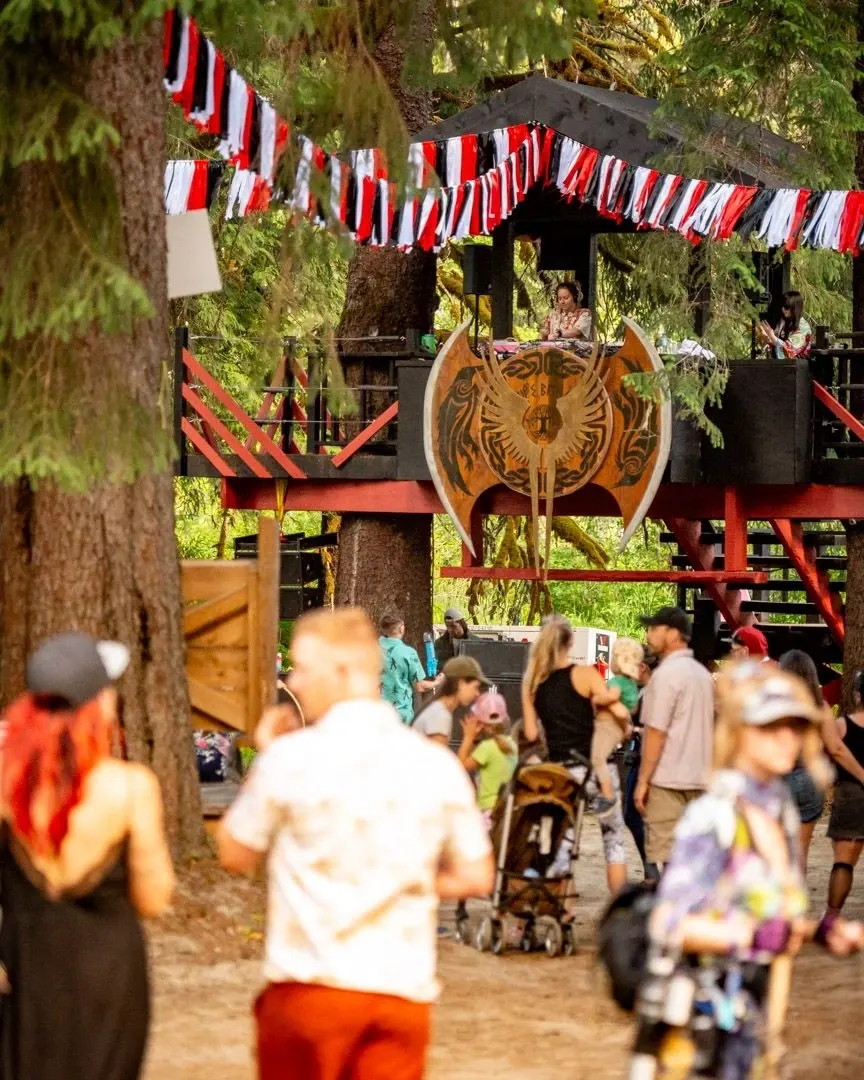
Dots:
pixel 563 697
pixel 730 906
pixel 613 722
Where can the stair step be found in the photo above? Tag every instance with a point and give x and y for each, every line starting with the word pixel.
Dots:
pixel 779 607
pixel 812 538
pixel 792 586
pixel 767 562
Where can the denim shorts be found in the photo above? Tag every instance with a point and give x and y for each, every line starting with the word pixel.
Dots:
pixel 808 798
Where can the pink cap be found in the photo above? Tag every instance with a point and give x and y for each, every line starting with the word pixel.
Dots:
pixel 490 708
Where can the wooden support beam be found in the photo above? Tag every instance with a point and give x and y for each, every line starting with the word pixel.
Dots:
pixel 672 577
pixel 816 582
pixel 213 456
pixel 476 531
pixel 212 420
pixel 735 542
pixel 687 534
pixel 225 399
pixel 369 432
pixel 840 411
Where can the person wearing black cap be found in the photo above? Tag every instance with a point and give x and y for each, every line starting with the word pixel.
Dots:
pixel 678 719
pixel 82 855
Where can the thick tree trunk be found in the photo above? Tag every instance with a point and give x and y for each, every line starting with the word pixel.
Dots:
pixel 106 561
pixel 853 653
pixel 385 561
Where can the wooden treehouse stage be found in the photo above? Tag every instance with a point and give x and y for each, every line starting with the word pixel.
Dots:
pixel 745 524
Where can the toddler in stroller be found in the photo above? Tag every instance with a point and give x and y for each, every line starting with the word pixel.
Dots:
pixel 540 804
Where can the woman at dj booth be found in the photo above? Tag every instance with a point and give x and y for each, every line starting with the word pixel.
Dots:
pixel 568 318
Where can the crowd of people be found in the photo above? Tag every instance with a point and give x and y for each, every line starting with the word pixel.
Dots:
pixel 368 819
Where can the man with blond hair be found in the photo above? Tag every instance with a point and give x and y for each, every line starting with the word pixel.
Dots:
pixel 366 826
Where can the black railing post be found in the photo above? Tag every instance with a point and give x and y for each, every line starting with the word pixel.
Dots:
pixel 181 342
pixel 289 353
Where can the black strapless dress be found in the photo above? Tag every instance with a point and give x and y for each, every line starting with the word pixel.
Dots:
pixel 78 1005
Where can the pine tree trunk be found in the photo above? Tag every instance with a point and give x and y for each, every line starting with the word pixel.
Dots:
pixel 384 561
pixel 106 561
pixel 853 652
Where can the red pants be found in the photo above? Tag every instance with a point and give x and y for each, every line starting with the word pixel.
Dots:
pixel 318 1033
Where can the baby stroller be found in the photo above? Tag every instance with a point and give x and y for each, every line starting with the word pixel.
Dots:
pixel 540 805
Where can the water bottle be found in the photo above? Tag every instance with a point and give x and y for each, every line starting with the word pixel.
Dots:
pixel 431 658
pixel 278 663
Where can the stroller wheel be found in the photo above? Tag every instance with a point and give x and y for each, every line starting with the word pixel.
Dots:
pixel 528 941
pixel 554 940
pixel 569 945
pixel 463 931
pixel 489 936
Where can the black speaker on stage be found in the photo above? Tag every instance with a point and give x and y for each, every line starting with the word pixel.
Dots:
pixel 477 269
pixel 503 663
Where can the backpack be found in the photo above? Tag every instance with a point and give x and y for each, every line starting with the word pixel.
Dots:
pixel 622 934
pixel 622 941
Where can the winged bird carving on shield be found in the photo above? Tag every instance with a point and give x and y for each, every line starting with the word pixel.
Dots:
pixel 545 422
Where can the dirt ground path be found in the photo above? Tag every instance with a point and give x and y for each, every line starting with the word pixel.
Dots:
pixel 515 1016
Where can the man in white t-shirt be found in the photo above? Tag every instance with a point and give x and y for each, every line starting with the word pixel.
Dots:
pixel 366 826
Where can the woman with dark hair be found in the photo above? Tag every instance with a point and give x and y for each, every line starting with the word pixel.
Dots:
pixel 568 319
pixel 83 857
pixel 808 798
pixel 562 697
pixel 791 338
pixel 461 685
pixel 844 740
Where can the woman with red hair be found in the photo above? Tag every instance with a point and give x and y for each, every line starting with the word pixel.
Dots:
pixel 82 856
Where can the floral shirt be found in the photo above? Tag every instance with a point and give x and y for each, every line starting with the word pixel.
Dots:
pixel 796 344
pixel 567 324
pixel 715 867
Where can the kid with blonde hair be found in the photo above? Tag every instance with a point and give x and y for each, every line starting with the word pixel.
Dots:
pixel 613 721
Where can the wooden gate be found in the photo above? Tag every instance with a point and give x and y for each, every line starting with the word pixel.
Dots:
pixel 231 623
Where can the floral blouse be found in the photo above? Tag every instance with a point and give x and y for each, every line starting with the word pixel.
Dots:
pixel 797 344
pixel 567 324
pixel 715 868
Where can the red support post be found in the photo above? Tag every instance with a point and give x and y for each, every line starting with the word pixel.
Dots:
pixel 476 530
pixel 841 412
pixel 791 536
pixel 735 543
pixel 687 533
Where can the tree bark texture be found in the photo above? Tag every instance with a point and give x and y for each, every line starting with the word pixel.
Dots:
pixel 106 561
pixel 385 561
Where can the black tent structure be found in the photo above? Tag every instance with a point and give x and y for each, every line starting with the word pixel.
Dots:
pixel 632 128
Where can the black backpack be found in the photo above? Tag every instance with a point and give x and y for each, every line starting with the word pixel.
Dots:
pixel 622 941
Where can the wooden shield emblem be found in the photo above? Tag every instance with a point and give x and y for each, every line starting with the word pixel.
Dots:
pixel 545 422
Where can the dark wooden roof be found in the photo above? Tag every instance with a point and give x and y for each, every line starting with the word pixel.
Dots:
pixel 626 125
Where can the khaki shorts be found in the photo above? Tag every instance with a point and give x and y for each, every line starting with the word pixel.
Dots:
pixel 663 811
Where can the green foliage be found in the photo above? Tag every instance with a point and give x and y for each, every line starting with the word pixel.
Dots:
pixel 614 607
pixel 785 64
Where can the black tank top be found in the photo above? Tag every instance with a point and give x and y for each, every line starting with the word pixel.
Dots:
pixel 854 740
pixel 566 716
